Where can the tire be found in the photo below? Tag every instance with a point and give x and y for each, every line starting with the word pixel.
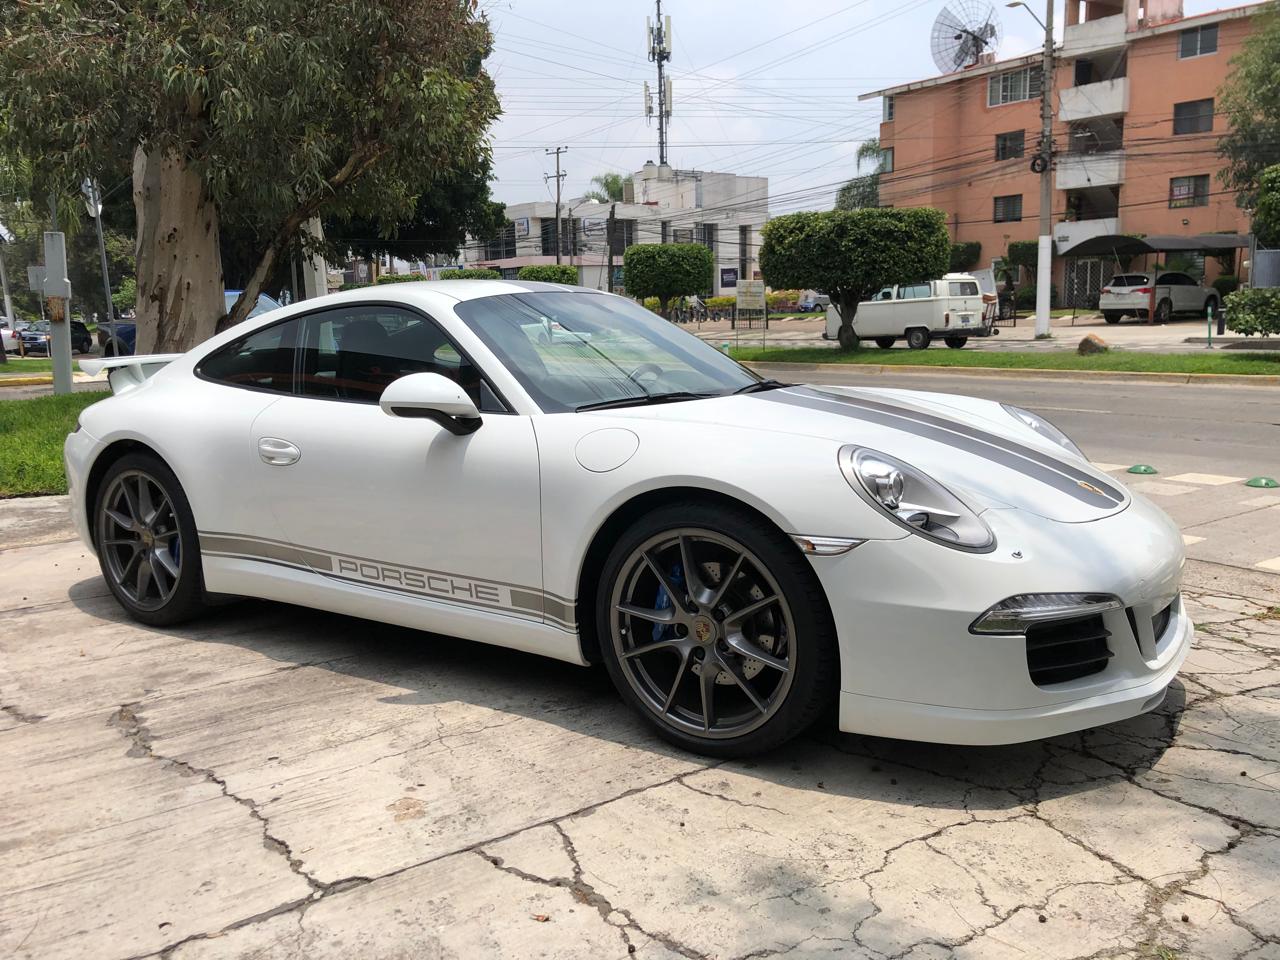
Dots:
pixel 955 341
pixel 848 339
pixel 796 674
pixel 1164 311
pixel 1111 316
pixel 155 594
pixel 918 338
pixel 885 343
pixel 1212 304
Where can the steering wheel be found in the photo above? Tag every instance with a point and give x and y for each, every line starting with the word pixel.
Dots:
pixel 651 371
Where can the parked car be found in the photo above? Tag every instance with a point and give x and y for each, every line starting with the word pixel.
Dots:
pixel 10 334
pixel 122 345
pixel 813 303
pixel 1129 295
pixel 37 337
pixel 951 307
pixel 941 568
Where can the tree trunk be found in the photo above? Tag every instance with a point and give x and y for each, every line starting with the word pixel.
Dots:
pixel 179 267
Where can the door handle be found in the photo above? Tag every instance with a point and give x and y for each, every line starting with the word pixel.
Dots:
pixel 278 453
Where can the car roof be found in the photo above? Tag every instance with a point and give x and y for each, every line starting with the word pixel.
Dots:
pixel 459 290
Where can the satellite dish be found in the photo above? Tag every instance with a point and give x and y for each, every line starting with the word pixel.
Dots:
pixel 962 33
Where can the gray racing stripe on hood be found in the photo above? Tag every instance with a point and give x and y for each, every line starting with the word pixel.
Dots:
pixel 1009 453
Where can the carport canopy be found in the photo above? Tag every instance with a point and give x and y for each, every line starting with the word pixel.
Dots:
pixel 1120 245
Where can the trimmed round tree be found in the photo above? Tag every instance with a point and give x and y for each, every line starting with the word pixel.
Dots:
pixel 549 273
pixel 850 254
pixel 666 271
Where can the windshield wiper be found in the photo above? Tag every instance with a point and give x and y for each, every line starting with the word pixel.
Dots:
pixel 760 385
pixel 674 396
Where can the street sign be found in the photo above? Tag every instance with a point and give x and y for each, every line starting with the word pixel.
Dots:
pixel 35 277
pixel 728 276
pixel 92 202
pixel 751 295
pixel 56 283
pixel 522 226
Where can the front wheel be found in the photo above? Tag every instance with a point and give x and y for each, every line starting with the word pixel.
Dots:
pixel 714 628
pixel 147 543
pixel 918 338
pixel 955 341
pixel 884 343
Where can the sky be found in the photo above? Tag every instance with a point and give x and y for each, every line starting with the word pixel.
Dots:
pixel 761 87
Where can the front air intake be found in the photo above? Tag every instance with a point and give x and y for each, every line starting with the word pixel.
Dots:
pixel 1067 650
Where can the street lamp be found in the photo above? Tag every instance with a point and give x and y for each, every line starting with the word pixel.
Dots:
pixel 1044 165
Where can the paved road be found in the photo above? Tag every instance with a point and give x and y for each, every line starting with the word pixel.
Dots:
pixel 1205 441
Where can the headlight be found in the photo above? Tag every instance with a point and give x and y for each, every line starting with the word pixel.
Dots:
pixel 914 500
pixel 1016 614
pixel 1043 427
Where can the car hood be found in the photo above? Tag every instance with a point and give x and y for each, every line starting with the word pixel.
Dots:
pixel 972 446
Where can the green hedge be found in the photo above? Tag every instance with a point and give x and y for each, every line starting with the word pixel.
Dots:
pixel 1024 253
pixel 1227 283
pixel 549 273
pixel 399 278
pixel 470 273
pixel 965 256
pixel 1254 311
pixel 1025 298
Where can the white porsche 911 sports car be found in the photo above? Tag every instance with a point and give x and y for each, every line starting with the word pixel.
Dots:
pixel 557 470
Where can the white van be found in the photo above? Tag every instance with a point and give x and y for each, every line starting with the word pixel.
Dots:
pixel 952 308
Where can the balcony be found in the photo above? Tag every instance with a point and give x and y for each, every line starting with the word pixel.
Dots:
pixel 1080 171
pixel 1091 36
pixel 1068 233
pixel 1107 98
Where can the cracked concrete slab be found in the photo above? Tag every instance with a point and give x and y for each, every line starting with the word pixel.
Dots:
pixel 276 783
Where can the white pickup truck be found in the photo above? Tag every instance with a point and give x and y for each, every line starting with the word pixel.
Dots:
pixel 952 308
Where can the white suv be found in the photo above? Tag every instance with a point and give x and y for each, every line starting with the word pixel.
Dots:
pixel 1129 295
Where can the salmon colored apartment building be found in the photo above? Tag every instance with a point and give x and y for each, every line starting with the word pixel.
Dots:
pixel 1136 86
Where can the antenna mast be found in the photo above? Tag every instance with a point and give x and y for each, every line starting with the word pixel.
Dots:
pixel 659 31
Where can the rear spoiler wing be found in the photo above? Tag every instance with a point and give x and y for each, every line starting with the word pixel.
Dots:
pixel 125 373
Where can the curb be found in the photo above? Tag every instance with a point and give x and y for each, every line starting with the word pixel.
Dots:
pixel 24 381
pixel 1027 373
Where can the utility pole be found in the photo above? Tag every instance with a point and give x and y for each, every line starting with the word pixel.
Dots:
pixel 660 52
pixel 559 178
pixel 1044 260
pixel 58 289
pixel 611 233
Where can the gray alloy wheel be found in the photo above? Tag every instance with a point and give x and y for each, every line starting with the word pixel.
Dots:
pixel 139 539
pixel 918 338
pixel 703 634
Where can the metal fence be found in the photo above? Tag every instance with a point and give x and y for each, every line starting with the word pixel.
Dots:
pixel 1266 269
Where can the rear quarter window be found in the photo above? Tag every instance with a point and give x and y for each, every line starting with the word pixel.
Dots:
pixel 964 288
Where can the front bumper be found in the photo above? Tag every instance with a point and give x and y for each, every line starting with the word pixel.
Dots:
pixel 911 669
pixel 77 455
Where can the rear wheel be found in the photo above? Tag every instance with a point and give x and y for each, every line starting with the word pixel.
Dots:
pixel 918 338
pixel 1212 307
pixel 955 341
pixel 147 543
pixel 884 343
pixel 714 628
pixel 1164 311
pixel 1111 316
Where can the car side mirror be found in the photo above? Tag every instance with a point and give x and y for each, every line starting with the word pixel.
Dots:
pixel 431 397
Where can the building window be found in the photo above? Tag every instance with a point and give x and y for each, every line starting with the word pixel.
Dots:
pixel 1013 86
pixel 1008 209
pixel 709 239
pixel 1198 41
pixel 888 109
pixel 886 160
pixel 503 245
pixel 1194 116
pixel 621 234
pixel 1010 146
pixel 1189 191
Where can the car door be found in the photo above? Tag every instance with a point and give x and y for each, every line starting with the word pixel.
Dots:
pixel 394 503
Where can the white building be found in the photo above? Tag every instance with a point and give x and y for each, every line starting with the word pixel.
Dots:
pixel 662 205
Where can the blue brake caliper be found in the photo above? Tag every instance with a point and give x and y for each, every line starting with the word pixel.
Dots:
pixel 664 601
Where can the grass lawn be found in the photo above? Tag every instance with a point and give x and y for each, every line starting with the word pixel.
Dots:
pixel 31 437
pixel 25 367
pixel 1245 363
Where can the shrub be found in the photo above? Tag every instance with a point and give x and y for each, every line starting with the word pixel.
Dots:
pixel 355 285
pixel 470 273
pixel 720 303
pixel 964 256
pixel 1025 297
pixel 1266 213
pixel 1254 311
pixel 549 273
pixel 782 299
pixel 399 278
pixel 1024 253
pixel 1227 283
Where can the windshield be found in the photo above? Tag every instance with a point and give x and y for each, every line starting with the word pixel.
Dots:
pixel 40 326
pixel 571 350
pixel 264 305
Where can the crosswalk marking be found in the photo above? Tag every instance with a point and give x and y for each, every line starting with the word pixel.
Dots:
pixel 1188 540
pixel 1272 564
pixel 1206 479
pixel 1273 500
pixel 1157 489
pixel 1108 467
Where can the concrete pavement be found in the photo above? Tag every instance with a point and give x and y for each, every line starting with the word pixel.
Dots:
pixel 275 783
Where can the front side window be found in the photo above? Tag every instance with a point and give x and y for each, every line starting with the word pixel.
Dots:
pixel 262 360
pixel 352 353
pixel 1194 116
pixel 571 351
pixel 1198 41
pixel 1007 209
pixel 1189 191
pixel 1010 146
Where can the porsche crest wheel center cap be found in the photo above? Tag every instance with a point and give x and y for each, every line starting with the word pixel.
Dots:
pixel 704 630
